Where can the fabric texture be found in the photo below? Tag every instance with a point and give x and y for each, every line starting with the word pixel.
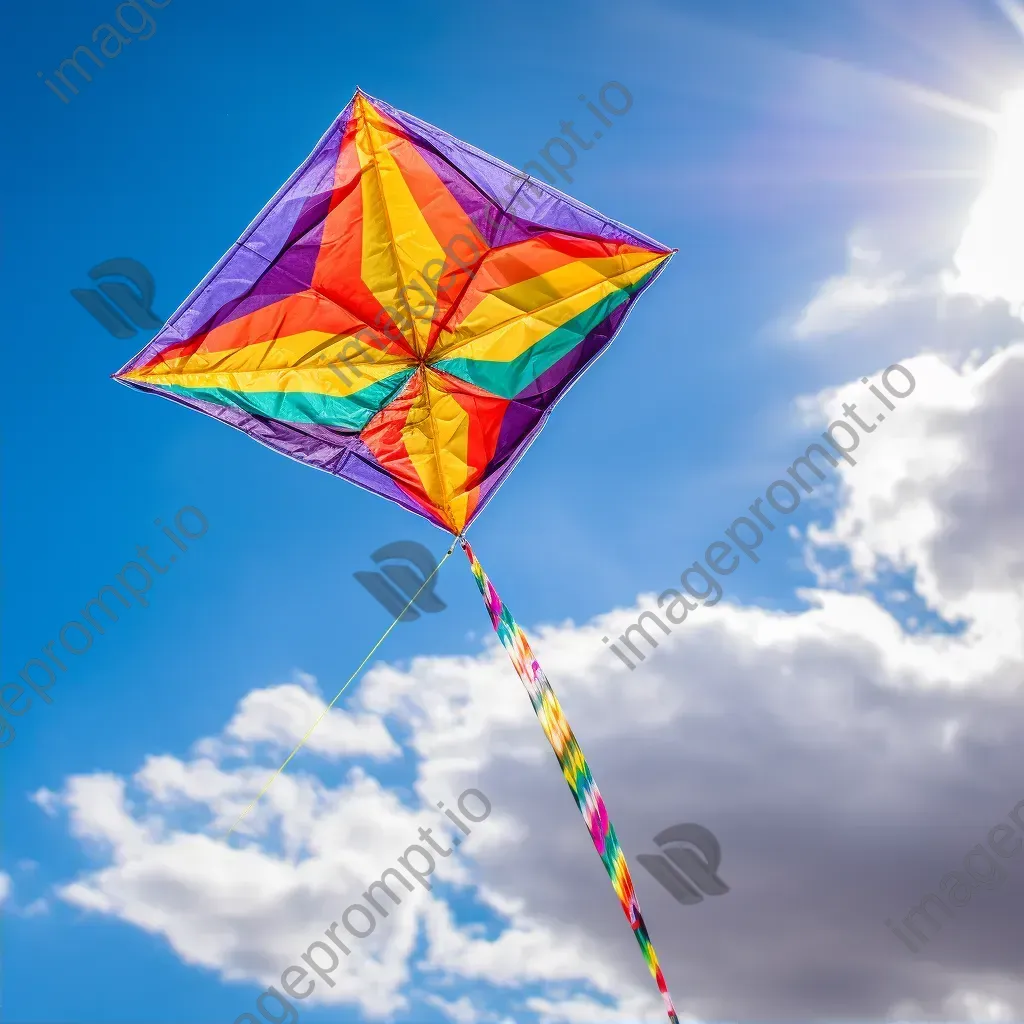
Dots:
pixel 394 318
pixel 574 767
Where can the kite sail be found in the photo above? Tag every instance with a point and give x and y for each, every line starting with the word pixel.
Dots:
pixel 405 313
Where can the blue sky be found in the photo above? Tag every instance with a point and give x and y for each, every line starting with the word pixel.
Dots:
pixel 764 142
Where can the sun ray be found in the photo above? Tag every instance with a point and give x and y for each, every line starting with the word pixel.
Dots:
pixel 943 104
pixel 925 97
pixel 1014 11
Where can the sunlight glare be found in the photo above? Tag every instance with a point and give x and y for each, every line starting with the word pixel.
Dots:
pixel 990 258
pixel 1015 12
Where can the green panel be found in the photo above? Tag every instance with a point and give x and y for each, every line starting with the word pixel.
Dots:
pixel 349 413
pixel 508 379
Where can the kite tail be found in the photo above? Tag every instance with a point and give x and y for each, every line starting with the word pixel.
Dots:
pixel 574 767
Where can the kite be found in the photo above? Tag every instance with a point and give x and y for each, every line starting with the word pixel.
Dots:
pixel 397 317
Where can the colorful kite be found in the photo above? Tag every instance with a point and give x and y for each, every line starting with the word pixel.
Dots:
pixel 397 317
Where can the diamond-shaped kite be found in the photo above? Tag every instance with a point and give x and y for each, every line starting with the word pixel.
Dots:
pixel 405 313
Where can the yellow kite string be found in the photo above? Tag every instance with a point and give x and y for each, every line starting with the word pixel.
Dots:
pixel 323 714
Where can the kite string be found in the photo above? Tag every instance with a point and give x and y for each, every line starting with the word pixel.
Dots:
pixel 323 714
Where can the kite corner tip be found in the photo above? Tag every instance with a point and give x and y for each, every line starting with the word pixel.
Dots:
pixel 362 95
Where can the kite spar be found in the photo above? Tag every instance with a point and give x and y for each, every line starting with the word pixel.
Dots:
pixel 397 318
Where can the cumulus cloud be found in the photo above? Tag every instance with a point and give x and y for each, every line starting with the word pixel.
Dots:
pixel 281 715
pixel 948 503
pixel 844 764
pixel 5 887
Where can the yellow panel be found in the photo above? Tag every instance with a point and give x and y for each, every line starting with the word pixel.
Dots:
pixel 299 363
pixel 397 240
pixel 436 436
pixel 510 321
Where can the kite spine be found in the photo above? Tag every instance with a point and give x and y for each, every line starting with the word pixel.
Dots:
pixel 574 767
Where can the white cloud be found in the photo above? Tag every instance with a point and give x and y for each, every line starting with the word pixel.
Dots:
pixel 46 800
pixel 962 1005
pixel 250 912
pixel 37 908
pixel 980 1007
pixel 581 1010
pixel 282 715
pixel 461 1011
pixel 948 501
pixel 844 300
pixel 7 904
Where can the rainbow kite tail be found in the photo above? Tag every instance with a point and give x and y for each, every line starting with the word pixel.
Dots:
pixel 574 767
